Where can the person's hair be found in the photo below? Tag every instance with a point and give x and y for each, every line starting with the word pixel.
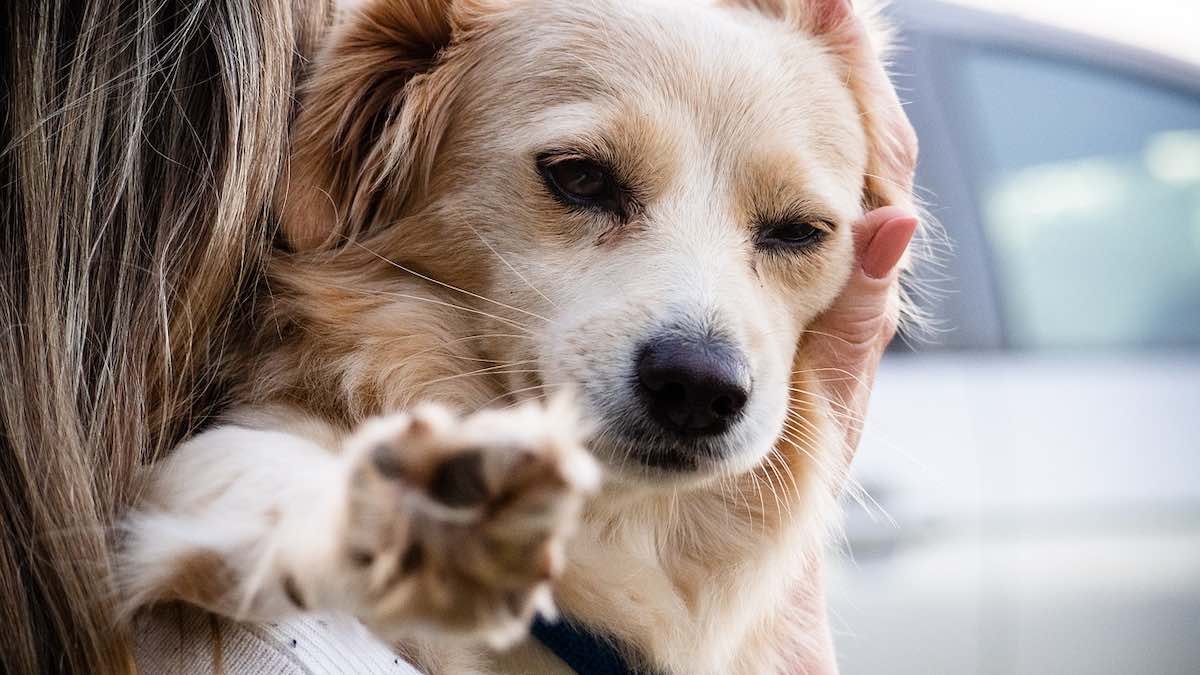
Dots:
pixel 141 143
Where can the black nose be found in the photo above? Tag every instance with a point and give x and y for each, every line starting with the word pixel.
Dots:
pixel 694 387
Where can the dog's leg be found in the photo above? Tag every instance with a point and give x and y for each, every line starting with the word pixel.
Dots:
pixel 425 520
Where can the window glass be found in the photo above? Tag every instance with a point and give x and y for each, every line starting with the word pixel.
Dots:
pixel 1090 200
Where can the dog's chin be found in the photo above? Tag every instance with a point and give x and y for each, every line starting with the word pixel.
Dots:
pixel 646 459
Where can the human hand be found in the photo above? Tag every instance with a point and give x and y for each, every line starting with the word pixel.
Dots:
pixel 848 339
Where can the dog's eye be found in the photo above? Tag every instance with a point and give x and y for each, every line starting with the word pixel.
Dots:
pixel 581 182
pixel 792 235
pixel 580 179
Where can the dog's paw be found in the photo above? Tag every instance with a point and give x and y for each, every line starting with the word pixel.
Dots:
pixel 459 523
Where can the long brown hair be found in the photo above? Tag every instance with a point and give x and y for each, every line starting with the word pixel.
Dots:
pixel 141 142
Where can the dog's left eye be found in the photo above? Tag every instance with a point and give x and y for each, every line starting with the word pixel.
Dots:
pixel 790 235
pixel 581 182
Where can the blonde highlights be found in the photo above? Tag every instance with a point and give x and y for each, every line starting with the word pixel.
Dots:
pixel 141 144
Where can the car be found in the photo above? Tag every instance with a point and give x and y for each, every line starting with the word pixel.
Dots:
pixel 1033 471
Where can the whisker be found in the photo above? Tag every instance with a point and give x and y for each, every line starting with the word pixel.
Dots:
pixel 442 303
pixel 490 370
pixel 849 420
pixel 827 369
pixel 784 506
pixel 795 433
pixel 787 469
pixel 811 394
pixel 510 267
pixel 855 489
pixel 810 331
pixel 537 397
pixel 452 287
pixel 442 347
pixel 519 391
pixel 762 505
pixel 858 424
pixel 814 440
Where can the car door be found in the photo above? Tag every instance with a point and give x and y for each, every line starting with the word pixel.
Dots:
pixel 1044 470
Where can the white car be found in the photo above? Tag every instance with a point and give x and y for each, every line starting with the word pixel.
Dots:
pixel 1041 458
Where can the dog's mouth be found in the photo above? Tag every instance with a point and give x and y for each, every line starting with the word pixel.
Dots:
pixel 637 446
pixel 629 439
pixel 644 450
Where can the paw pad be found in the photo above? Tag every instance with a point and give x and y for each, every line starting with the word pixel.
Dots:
pixel 458 482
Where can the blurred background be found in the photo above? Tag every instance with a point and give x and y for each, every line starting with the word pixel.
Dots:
pixel 1034 472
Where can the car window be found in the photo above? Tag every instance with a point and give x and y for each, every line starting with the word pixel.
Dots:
pixel 1089 196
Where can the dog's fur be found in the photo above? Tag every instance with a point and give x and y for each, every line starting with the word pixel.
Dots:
pixel 430 274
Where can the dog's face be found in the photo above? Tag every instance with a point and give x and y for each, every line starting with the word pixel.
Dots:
pixel 658 200
pixel 676 190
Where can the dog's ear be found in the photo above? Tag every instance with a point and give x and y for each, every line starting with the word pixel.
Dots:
pixel 370 118
pixel 860 41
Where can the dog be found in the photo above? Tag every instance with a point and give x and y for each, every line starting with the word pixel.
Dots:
pixel 534 336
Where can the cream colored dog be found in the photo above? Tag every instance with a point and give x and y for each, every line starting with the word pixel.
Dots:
pixel 628 208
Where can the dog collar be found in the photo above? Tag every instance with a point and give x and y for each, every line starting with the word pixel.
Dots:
pixel 584 651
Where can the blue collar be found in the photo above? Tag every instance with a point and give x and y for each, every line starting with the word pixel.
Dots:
pixel 585 652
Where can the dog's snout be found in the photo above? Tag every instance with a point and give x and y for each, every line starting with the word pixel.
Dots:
pixel 693 387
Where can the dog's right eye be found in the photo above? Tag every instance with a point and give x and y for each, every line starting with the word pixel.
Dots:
pixel 582 182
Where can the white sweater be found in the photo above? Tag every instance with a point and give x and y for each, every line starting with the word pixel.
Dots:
pixel 178 639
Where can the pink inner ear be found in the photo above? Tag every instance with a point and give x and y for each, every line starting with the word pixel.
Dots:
pixel 829 16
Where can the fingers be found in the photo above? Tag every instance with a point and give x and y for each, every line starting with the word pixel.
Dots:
pixel 887 246
pixel 851 335
pixel 876 255
pixel 862 314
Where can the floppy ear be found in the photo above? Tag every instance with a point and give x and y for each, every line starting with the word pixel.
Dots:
pixel 370 119
pixel 860 42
